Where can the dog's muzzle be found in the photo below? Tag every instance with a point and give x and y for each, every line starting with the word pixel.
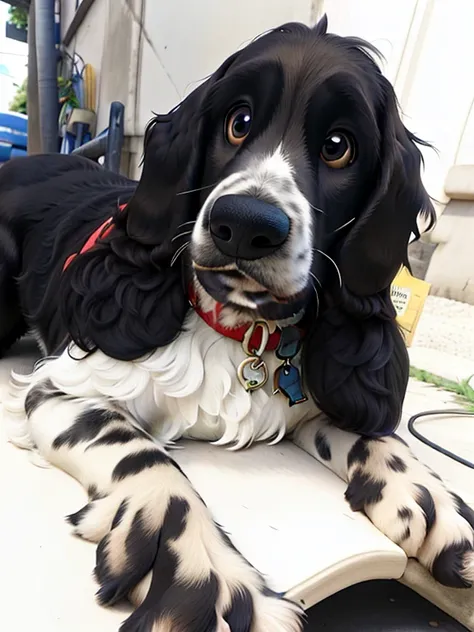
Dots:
pixel 244 227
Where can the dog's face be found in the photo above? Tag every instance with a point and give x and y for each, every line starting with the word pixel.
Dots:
pixel 252 244
pixel 290 150
pixel 292 142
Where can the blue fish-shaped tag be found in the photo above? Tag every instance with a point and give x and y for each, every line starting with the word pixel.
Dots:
pixel 287 380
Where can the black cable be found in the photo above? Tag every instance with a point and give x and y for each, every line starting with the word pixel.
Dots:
pixel 431 444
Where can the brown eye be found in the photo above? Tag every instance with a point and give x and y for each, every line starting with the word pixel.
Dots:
pixel 338 150
pixel 238 125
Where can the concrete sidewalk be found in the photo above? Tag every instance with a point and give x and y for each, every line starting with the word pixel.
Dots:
pixel 442 363
pixel 444 339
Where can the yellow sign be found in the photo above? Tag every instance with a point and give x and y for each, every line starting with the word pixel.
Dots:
pixel 408 297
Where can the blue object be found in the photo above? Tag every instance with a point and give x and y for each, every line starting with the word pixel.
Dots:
pixel 15 121
pixel 13 135
pixel 109 142
pixel 81 134
pixel 287 379
pixel 16 33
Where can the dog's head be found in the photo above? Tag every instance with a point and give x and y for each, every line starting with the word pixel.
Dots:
pixel 291 155
pixel 286 185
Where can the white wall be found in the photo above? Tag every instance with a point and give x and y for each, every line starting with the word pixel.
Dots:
pixel 89 43
pixel 190 40
pixel 68 8
pixel 428 44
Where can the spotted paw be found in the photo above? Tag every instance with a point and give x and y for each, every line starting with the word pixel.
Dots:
pixel 159 546
pixel 411 505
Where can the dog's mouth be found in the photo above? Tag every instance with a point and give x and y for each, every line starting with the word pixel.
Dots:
pixel 231 287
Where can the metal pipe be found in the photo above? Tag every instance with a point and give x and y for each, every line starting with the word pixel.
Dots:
pixel 110 144
pixel 115 137
pixel 47 74
pixel 34 133
pixel 94 149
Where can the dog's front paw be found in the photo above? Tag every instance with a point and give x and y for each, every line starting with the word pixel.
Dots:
pixel 411 505
pixel 159 546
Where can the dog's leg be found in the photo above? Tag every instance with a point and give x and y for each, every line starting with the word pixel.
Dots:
pixel 406 500
pixel 157 542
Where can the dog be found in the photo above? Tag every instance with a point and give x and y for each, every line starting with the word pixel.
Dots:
pixel 239 292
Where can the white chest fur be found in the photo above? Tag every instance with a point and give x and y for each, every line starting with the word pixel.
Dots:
pixel 188 389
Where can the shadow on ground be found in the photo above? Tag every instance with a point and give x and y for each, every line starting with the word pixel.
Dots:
pixel 379 606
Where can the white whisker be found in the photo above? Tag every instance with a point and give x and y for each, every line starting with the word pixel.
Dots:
pixel 344 225
pixel 179 252
pixel 207 186
pixel 192 221
pixel 316 279
pixel 333 263
pixel 317 299
pixel 315 208
pixel 188 232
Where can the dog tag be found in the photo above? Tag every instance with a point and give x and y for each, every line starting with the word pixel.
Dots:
pixel 290 343
pixel 252 373
pixel 287 380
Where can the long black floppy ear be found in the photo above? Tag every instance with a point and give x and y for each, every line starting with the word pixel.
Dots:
pixel 173 163
pixel 123 296
pixel 355 361
pixel 377 245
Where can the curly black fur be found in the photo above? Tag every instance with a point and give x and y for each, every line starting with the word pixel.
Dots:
pixel 122 297
pixel 355 360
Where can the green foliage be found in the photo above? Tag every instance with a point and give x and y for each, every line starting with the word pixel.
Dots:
pixel 66 92
pixel 462 389
pixel 65 89
pixel 19 101
pixel 18 17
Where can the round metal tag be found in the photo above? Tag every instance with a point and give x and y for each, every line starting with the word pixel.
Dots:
pixel 252 373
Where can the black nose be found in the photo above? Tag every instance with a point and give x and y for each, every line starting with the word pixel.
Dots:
pixel 246 228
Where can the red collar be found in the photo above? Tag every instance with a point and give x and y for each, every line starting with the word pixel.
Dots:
pixel 101 232
pixel 236 333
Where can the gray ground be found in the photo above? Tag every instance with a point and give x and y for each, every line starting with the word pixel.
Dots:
pixel 447 326
pixel 379 606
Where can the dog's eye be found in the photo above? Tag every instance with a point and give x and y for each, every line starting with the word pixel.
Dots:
pixel 338 150
pixel 238 125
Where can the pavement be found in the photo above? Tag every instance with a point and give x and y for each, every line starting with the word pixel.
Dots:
pixel 444 339
pixel 442 363
pixel 446 326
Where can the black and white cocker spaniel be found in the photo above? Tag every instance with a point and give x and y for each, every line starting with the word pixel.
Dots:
pixel 238 293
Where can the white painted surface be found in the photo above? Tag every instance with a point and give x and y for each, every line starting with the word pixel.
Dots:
pixel 90 43
pixel 192 39
pixel 68 8
pixel 429 46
